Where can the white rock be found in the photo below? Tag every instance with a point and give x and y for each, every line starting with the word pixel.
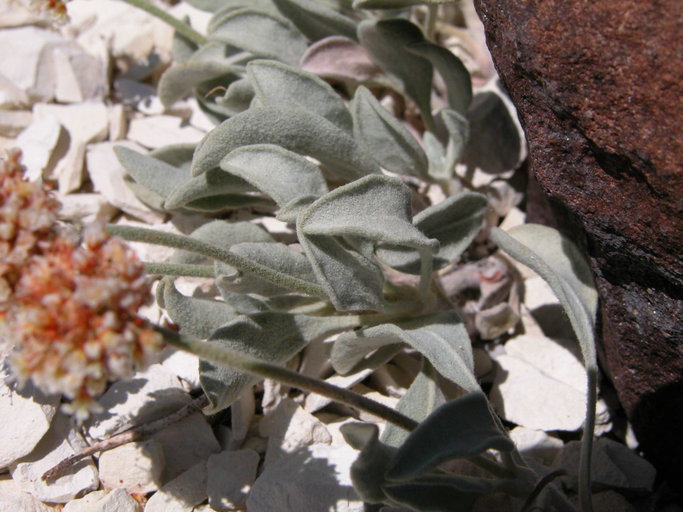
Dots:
pixel 60 442
pixel 183 364
pixel 536 444
pixel 538 293
pixel 242 414
pixel 107 174
pixel 525 395
pixel 186 443
pixel 230 477
pixel 182 493
pixel 315 479
pixel 20 52
pixel 157 131
pixel 136 467
pixel 118 124
pixel 128 32
pixel 13 13
pixel 288 428
pixel 149 395
pixel 515 217
pixel 85 208
pixel 13 122
pixel 13 499
pixel 86 123
pixel 559 359
pixel 614 465
pixel 31 413
pixel 80 77
pixel 11 96
pixel 117 500
pixel 38 143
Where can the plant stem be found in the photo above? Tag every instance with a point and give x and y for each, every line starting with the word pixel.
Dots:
pixel 138 433
pixel 585 494
pixel 186 243
pixel 223 356
pixel 180 27
pixel 176 269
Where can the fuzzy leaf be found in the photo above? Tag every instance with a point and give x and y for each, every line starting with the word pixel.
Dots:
pixel 453 222
pixel 470 430
pixel 176 155
pixel 440 493
pixel 315 20
pixel 275 256
pixel 262 34
pixel 374 209
pixel 557 260
pixel 151 173
pixel 238 96
pixel 422 397
pixel 224 202
pixel 179 80
pixel 367 471
pixel 293 129
pixel 386 41
pixel 441 338
pixel 272 337
pixel 281 174
pixel 215 182
pixel 452 70
pixel 196 317
pixel 494 144
pixel 390 143
pixel 223 234
pixel 278 84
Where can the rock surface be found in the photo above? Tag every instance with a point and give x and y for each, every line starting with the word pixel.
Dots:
pixel 598 90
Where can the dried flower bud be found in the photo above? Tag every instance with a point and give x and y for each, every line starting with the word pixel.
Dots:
pixel 73 318
pixel 54 9
pixel 27 216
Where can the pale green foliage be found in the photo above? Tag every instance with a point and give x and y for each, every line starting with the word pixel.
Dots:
pixel 348 177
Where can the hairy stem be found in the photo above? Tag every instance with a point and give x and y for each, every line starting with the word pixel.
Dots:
pixel 585 495
pixel 180 27
pixel 187 243
pixel 175 269
pixel 220 355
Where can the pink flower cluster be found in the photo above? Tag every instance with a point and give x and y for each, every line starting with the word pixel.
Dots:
pixel 71 311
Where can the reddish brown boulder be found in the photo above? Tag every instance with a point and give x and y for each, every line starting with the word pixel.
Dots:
pixel 599 89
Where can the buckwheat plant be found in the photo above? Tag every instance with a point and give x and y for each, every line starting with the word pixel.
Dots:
pixel 69 310
pixel 350 129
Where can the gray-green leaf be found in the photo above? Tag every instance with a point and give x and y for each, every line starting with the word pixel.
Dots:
pixel 422 397
pixel 390 143
pixel 179 80
pixel 293 129
pixel 386 41
pixel 452 70
pixel 278 84
pixel 215 182
pixel 315 20
pixel 281 174
pixel 557 260
pixel 151 173
pixel 441 338
pixel 453 222
pixel 196 317
pixel 374 209
pixel 272 337
pixel 262 34
pixel 470 429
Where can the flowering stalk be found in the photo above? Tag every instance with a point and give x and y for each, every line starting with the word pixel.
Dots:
pixel 180 27
pixel 69 311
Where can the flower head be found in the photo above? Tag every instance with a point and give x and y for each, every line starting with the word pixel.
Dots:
pixel 69 310
pixel 28 213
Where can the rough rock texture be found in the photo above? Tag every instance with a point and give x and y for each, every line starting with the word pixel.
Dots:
pixel 598 86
